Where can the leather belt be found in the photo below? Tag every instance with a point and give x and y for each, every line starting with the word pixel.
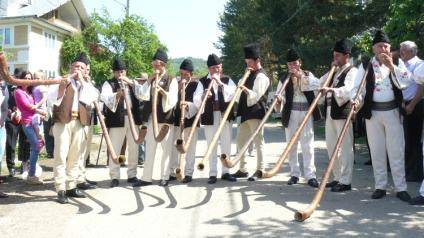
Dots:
pixel 300 106
pixel 384 106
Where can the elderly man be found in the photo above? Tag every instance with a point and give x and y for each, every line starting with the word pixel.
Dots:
pixel 70 115
pixel 383 98
pixel 413 121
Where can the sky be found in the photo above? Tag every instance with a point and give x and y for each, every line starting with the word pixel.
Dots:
pixel 186 27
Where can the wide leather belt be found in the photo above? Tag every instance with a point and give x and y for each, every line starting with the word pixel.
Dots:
pixel 384 106
pixel 300 106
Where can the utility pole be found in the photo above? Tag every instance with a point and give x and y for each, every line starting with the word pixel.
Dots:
pixel 128 8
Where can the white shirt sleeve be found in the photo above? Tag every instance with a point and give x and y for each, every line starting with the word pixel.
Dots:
pixel 228 90
pixel 310 82
pixel 88 94
pixel 197 97
pixel 344 93
pixel 142 91
pixel 260 86
pixel 279 107
pixel 53 93
pixel 109 97
pixel 419 74
pixel 192 110
pixel 359 75
pixel 170 99
pixel 401 76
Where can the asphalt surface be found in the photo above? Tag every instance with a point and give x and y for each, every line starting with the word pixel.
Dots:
pixel 263 208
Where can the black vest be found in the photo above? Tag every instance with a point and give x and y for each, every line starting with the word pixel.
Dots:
pixel 336 112
pixel 207 116
pixel 168 117
pixel 189 93
pixel 256 111
pixel 310 96
pixel 117 118
pixel 366 110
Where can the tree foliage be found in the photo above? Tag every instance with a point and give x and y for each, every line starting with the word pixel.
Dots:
pixel 311 27
pixel 131 38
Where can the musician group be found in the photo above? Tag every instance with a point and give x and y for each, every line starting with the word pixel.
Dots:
pixel 169 110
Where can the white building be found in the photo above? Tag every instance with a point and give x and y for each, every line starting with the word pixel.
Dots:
pixel 32 31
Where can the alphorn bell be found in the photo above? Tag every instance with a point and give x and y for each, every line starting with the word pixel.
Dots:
pixel 201 165
pixel 111 150
pixel 231 163
pixel 182 146
pixel 183 106
pixel 159 135
pixel 295 137
pixel 305 214
pixel 138 138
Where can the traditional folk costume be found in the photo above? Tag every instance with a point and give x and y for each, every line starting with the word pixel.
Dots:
pixel 215 107
pixel 70 115
pixel 381 109
pixel 165 115
pixel 337 109
pixel 117 122
pixel 297 98
pixel 190 114
pixel 252 109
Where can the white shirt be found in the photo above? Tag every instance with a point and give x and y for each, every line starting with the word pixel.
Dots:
pixel 83 92
pixel 169 100
pixel 228 91
pixel 344 93
pixel 409 92
pixel 383 91
pixel 260 85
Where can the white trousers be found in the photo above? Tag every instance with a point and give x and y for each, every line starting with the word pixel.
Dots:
pixel 343 165
pixel 244 132
pixel 166 145
pixel 86 148
pixel 224 140
pixel 67 152
pixel 117 136
pixel 385 133
pixel 306 143
pixel 189 157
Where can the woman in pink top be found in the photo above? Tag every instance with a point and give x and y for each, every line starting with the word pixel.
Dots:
pixel 25 104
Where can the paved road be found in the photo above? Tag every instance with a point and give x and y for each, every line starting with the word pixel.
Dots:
pixel 260 209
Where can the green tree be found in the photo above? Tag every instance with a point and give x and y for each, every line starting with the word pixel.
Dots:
pixel 132 39
pixel 311 27
pixel 406 22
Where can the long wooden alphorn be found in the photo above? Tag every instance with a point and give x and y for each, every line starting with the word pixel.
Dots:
pixel 295 137
pixel 305 214
pixel 231 163
pixel 201 165
pixel 182 146
pixel 159 135
pixel 111 150
pixel 4 74
pixel 138 138
pixel 178 173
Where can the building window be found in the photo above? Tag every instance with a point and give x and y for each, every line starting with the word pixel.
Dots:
pixel 49 40
pixel 5 36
